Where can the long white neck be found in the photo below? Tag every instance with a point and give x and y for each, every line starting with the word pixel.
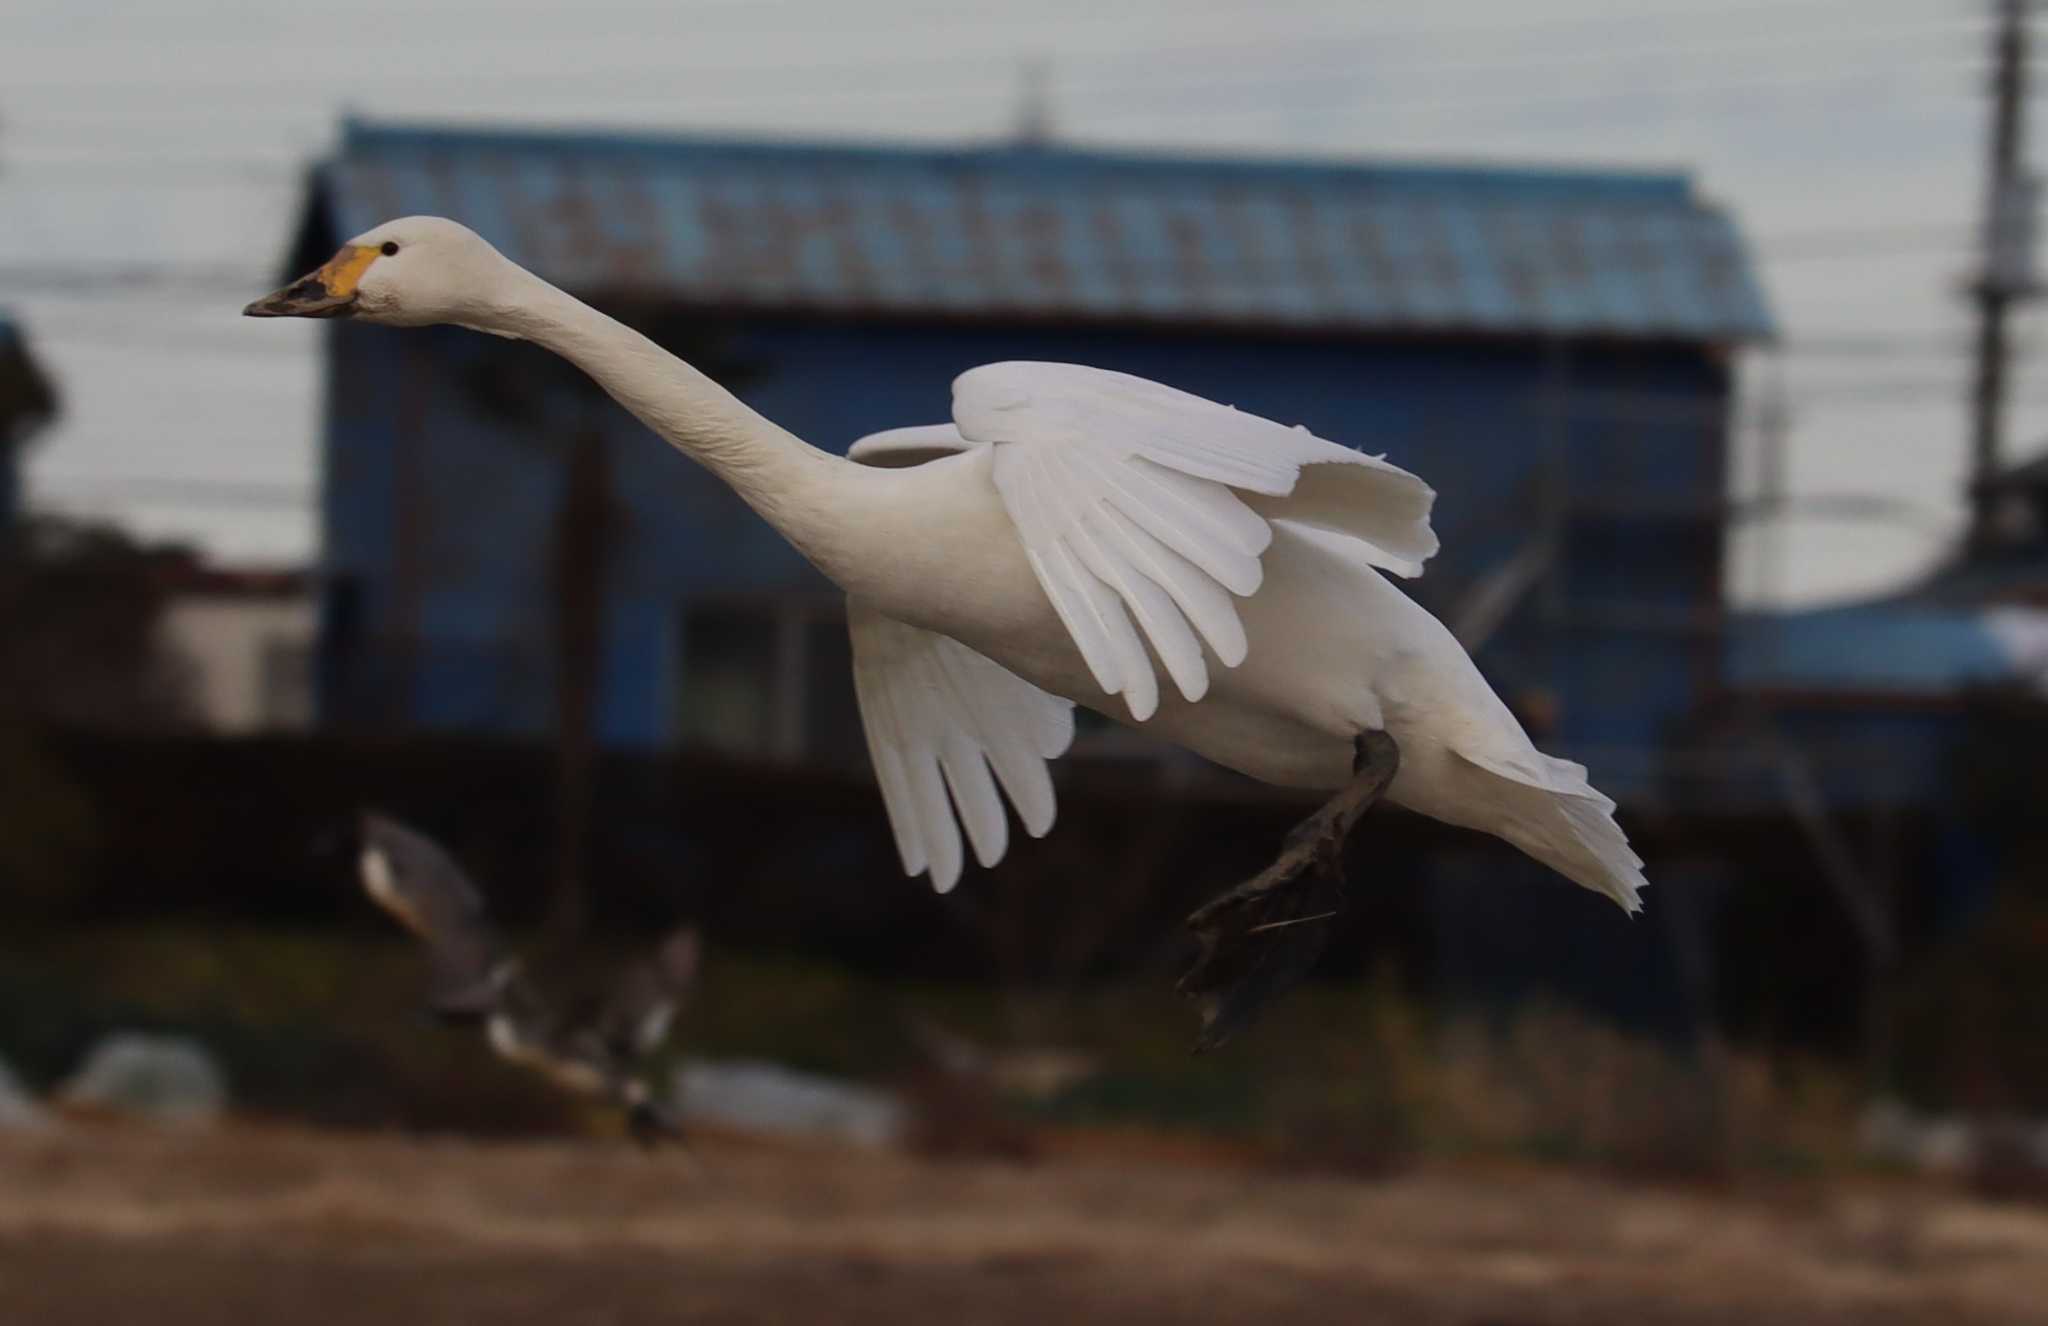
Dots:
pixel 797 488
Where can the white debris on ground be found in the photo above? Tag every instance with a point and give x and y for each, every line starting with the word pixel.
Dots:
pixel 758 1097
pixel 1035 1072
pixel 18 1109
pixel 170 1080
pixel 1949 1144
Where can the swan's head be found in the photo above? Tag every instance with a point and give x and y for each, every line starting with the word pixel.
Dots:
pixel 411 272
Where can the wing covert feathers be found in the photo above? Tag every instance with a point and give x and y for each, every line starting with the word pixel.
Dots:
pixel 1143 509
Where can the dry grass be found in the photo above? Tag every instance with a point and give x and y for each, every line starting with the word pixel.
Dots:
pixel 1554 1084
pixel 1354 1079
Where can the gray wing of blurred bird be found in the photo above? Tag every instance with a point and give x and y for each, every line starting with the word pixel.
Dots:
pixel 643 1005
pixel 602 1053
pixel 410 876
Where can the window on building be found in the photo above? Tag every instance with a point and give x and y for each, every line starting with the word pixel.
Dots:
pixel 339 690
pixel 768 678
pixel 728 684
pixel 286 702
pixel 771 678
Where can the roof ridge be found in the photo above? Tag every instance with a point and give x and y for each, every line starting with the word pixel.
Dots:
pixel 1065 234
pixel 1665 186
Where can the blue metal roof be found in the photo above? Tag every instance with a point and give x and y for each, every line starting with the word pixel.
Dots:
pixel 1886 646
pixel 1058 233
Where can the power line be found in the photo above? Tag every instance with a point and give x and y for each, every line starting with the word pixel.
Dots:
pixel 205 172
pixel 1122 67
pixel 113 331
pixel 1343 44
pixel 183 341
pixel 170 490
pixel 1849 395
pixel 872 83
pixel 1846 507
pixel 1838 241
pixel 127 278
pixel 1872 345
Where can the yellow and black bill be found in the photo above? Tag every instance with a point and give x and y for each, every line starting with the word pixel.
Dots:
pixel 327 292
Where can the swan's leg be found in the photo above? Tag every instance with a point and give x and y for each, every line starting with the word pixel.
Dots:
pixel 1260 939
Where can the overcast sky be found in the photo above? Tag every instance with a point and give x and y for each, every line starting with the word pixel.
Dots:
pixel 150 156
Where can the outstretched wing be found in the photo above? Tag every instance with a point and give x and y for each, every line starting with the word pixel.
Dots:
pixel 648 995
pixel 411 877
pixel 940 717
pixel 1136 500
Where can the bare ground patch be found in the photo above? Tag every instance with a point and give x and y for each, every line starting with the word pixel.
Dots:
pixel 100 1225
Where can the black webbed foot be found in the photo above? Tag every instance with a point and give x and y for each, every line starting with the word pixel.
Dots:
pixel 1262 938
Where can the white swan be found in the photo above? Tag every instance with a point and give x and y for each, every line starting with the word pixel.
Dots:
pixel 1069 528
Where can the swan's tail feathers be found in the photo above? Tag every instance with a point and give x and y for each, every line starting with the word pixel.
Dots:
pixel 1547 808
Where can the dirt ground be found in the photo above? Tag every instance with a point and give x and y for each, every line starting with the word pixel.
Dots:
pixel 254 1224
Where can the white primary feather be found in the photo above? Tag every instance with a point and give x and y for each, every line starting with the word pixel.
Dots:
pixel 940 717
pixel 1134 500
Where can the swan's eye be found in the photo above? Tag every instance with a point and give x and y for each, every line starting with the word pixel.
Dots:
pixel 390 247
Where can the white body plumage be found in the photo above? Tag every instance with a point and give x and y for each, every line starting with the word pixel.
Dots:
pixel 1334 649
pixel 1076 536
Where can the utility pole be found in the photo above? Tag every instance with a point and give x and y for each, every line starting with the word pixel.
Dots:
pixel 1034 103
pixel 1767 545
pixel 2007 275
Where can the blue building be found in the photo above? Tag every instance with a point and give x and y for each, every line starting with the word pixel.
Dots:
pixel 1878 692
pixel 27 403
pixel 1551 349
pixel 2008 563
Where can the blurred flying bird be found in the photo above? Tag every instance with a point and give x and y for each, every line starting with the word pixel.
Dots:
pixel 592 1047
pixel 1069 537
